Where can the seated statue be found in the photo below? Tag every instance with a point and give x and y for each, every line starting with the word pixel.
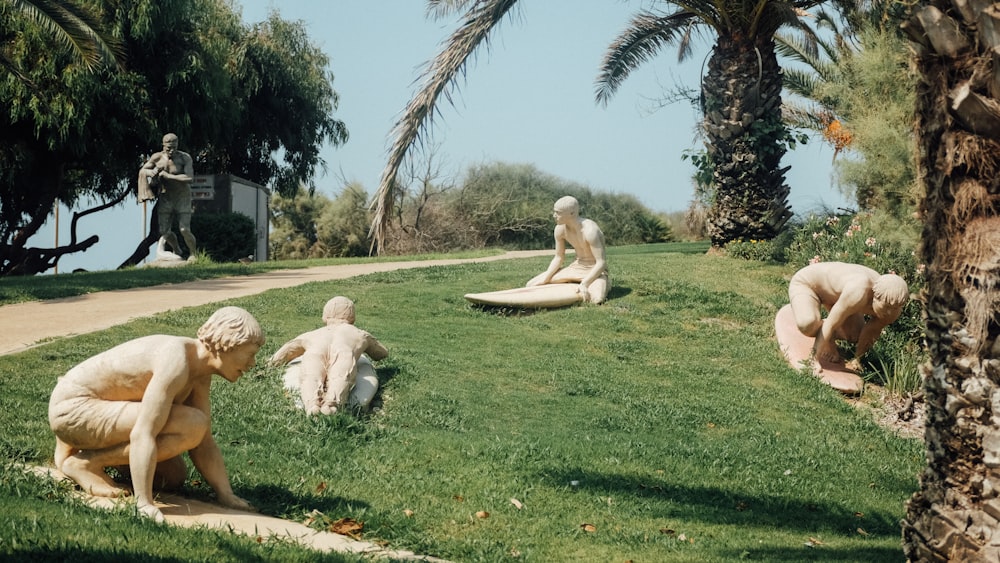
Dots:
pixel 859 302
pixel 590 268
pixel 331 357
pixel 143 403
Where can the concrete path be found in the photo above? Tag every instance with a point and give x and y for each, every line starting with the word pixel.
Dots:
pixel 24 325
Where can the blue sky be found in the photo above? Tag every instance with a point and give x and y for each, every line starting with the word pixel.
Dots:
pixel 528 99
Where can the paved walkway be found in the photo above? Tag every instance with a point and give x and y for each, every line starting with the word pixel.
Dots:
pixel 24 325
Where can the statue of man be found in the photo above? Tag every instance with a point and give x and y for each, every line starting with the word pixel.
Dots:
pixel 169 174
pixel 590 268
pixel 143 403
pixel 331 356
pixel 860 304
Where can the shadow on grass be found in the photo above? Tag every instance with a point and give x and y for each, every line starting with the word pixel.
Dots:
pixel 719 506
pixel 279 502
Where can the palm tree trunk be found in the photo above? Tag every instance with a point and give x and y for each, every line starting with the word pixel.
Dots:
pixel 955 516
pixel 746 142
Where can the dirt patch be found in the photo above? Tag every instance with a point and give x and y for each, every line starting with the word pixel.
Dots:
pixel 903 415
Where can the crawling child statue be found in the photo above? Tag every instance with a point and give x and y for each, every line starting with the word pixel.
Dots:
pixel 331 358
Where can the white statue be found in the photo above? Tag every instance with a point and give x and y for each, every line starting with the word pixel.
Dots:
pixel 143 403
pixel 590 268
pixel 167 176
pixel 859 302
pixel 332 360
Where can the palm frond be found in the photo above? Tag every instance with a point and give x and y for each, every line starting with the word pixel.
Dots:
pixel 76 28
pixel 642 40
pixel 481 18
pixel 801 116
pixel 437 9
pixel 800 82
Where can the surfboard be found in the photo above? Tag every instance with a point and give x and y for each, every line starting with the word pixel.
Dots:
pixel 547 296
pixel 797 349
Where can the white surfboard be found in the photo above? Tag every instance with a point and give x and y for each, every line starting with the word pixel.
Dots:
pixel 535 297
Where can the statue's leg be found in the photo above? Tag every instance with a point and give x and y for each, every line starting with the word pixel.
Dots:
pixel 88 473
pixel 170 474
pixel 63 451
pixel 339 380
pixel 164 217
pixel 184 220
pixel 598 289
pixel 311 390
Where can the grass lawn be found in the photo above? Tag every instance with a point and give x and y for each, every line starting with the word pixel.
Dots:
pixel 661 426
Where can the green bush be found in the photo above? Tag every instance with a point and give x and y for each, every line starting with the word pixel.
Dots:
pixel 224 237
pixel 760 250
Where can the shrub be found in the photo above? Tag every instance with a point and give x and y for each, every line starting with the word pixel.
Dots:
pixel 760 250
pixel 224 237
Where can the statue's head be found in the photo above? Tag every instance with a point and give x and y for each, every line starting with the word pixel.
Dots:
pixel 890 294
pixel 170 142
pixel 338 310
pixel 567 205
pixel 230 327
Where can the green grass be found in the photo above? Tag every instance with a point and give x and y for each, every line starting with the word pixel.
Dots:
pixel 686 434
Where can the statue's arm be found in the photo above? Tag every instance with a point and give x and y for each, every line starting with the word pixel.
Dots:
pixel 187 170
pixel 595 239
pixel 207 457
pixel 288 352
pixel 375 349
pixel 557 260
pixel 154 411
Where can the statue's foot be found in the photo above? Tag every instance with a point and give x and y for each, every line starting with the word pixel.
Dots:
pixel 96 483
pixel 328 409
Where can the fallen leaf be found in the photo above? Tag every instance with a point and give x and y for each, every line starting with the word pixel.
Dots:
pixel 788 472
pixel 517 504
pixel 260 539
pixel 482 514
pixel 408 513
pixel 711 425
pixel 814 541
pixel 667 531
pixel 347 527
pixel 321 487
pixel 682 537
pixel 859 514
pixel 588 527
pixel 741 506
pixel 459 498
pixel 862 532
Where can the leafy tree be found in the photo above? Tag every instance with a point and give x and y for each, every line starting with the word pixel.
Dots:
pixel 342 228
pixel 955 514
pixel 72 25
pixel 745 135
pixel 236 95
pixel 294 224
pixel 855 88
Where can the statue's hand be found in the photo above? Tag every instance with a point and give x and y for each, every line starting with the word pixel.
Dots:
pixel 582 290
pixel 233 501
pixel 150 511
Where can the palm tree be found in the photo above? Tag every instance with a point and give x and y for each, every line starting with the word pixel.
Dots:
pixel 75 27
pixel 745 136
pixel 741 103
pixel 956 513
